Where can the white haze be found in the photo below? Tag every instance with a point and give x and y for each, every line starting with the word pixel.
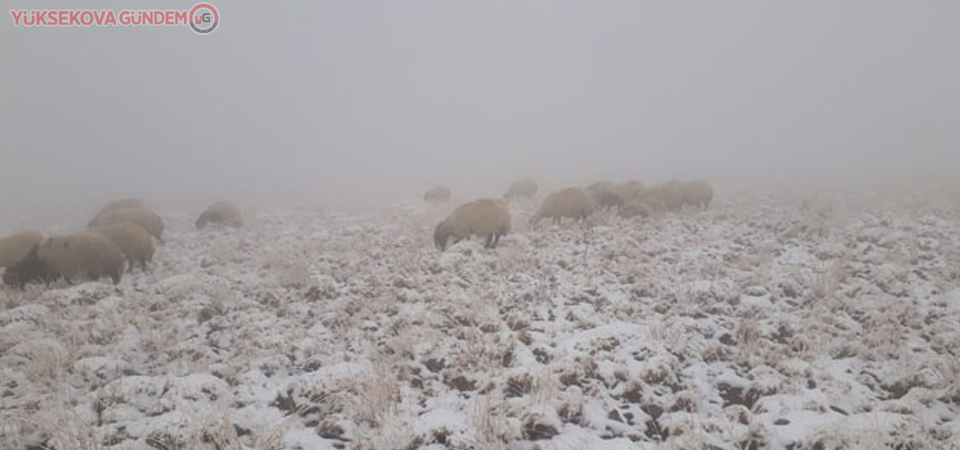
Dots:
pixel 319 96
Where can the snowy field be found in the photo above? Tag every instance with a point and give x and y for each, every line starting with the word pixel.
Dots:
pixel 771 321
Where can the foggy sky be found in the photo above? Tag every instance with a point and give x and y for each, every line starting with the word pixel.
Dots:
pixel 320 94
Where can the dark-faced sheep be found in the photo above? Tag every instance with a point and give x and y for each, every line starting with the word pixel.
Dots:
pixel 574 203
pixel 521 189
pixel 133 241
pixel 222 213
pixel 437 194
pixel 697 193
pixel 84 255
pixel 145 217
pixel 29 269
pixel 15 247
pixel 125 203
pixel 485 217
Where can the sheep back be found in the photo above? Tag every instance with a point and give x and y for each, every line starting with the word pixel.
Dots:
pixel 224 213
pixel 525 188
pixel 85 254
pixel 126 203
pixel 571 202
pixel 145 217
pixel 484 217
pixel 132 239
pixel 663 197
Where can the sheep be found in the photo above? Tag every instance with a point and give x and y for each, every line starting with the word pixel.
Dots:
pixel 662 197
pixel 627 191
pixel 29 268
pixel 15 247
pixel 224 213
pixel 521 189
pixel 85 254
pixel 125 203
pixel 437 194
pixel 697 193
pixel 636 207
pixel 603 194
pixel 574 203
pixel 607 194
pixel 484 217
pixel 133 241
pixel 145 217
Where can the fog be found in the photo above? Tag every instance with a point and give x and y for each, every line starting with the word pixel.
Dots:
pixel 316 96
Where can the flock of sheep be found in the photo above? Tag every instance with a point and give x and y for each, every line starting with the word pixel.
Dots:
pixel 490 218
pixel 119 237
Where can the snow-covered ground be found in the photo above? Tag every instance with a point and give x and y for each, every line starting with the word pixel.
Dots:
pixel 770 321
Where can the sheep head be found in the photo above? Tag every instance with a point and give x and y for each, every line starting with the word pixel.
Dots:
pixel 440 236
pixel 203 219
pixel 30 268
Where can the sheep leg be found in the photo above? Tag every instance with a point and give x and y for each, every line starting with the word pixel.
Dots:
pixel 489 241
pixel 496 239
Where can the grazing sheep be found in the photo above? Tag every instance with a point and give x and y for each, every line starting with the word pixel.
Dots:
pixel 695 193
pixel 29 268
pixel 84 255
pixel 145 217
pixel 663 197
pixel 574 203
pixel 133 241
pixel 636 207
pixel 125 203
pixel 437 194
pixel 15 247
pixel 224 213
pixel 521 189
pixel 603 194
pixel 485 217
pixel 627 191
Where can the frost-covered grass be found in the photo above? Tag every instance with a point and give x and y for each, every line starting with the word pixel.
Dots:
pixel 782 321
